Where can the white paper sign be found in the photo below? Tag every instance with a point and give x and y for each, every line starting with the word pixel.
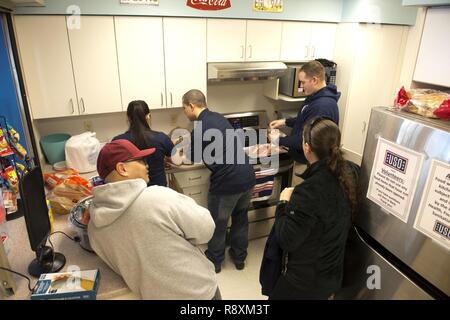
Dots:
pixel 433 216
pixel 394 177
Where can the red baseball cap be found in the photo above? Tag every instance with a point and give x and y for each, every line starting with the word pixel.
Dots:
pixel 118 151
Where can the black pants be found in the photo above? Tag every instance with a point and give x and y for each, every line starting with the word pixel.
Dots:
pixel 285 291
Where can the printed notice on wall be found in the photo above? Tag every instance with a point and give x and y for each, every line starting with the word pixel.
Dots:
pixel 394 177
pixel 433 216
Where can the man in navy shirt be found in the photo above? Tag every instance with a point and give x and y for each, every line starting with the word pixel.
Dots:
pixel 321 101
pixel 231 182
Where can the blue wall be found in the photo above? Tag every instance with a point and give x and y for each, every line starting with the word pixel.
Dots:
pixel 9 106
pixel 384 11
pixel 317 10
pixel 378 11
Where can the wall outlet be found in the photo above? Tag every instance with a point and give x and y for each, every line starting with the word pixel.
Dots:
pixel 87 125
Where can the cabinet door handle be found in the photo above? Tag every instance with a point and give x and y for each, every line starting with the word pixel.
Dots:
pixel 251 51
pixel 306 51
pixel 71 103
pixel 364 127
pixel 82 103
pixel 195 194
pixel 242 51
pixel 162 103
pixel 171 102
pixel 196 178
pixel 313 51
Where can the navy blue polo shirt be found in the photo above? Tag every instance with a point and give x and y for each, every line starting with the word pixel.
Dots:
pixel 227 175
pixel 164 146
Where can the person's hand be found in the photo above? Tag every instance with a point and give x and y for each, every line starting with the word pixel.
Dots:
pixel 274 135
pixel 286 194
pixel 277 124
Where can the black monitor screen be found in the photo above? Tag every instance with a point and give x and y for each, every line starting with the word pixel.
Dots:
pixel 35 207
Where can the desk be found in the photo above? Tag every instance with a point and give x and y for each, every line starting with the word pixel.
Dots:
pixel 111 284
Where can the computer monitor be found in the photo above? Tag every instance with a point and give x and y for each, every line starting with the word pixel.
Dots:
pixel 35 211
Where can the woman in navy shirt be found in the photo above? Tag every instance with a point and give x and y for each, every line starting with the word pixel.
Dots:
pixel 141 135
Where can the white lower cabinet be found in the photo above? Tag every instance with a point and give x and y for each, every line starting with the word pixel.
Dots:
pixel 193 183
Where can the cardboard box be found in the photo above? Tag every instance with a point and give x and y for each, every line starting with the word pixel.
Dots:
pixel 76 285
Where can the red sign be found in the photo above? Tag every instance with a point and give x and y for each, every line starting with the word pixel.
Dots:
pixel 209 4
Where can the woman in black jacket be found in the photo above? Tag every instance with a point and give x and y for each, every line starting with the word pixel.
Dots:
pixel 313 219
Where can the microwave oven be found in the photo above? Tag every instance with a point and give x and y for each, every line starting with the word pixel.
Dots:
pixel 290 84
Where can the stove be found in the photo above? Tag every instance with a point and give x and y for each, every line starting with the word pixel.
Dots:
pixel 262 209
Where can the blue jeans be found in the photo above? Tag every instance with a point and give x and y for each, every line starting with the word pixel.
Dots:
pixel 221 208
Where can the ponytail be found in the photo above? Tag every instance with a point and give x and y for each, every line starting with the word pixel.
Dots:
pixel 324 138
pixel 137 112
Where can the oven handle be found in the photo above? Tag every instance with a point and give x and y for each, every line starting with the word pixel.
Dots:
pixel 281 170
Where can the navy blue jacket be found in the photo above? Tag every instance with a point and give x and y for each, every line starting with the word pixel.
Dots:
pixel 164 146
pixel 226 178
pixel 323 103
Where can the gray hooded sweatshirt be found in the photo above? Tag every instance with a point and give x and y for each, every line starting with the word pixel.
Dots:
pixel 150 236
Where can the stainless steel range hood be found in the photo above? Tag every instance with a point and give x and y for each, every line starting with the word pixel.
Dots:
pixel 245 71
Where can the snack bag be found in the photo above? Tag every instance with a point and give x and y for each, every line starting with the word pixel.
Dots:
pixel 53 179
pixel 67 194
pixel 443 112
pixel 421 101
pixel 5 149
pixel 10 175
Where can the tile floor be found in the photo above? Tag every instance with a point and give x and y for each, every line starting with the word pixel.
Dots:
pixel 236 284
pixel 243 284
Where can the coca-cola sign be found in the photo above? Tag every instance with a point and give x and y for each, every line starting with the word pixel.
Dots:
pixel 209 4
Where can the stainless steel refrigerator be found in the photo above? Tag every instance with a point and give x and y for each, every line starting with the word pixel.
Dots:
pixel 399 247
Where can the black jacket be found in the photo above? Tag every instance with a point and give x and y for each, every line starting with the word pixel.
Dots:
pixel 312 230
pixel 323 103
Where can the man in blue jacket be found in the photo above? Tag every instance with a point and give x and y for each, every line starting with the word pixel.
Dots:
pixel 321 101
pixel 231 182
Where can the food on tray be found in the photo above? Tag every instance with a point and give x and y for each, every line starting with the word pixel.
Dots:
pixel 263 150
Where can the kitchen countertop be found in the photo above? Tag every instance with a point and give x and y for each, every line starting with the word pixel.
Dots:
pixel 20 255
pixel 111 286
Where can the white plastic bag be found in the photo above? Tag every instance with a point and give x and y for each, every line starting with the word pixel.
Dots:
pixel 82 152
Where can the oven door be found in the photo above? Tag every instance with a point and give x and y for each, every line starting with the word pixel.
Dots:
pixel 261 214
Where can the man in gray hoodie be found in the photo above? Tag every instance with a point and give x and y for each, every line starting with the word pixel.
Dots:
pixel 149 235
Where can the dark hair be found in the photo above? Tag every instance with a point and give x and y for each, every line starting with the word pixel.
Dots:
pixel 314 69
pixel 195 97
pixel 324 138
pixel 139 128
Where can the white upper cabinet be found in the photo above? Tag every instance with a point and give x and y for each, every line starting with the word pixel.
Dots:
pixel 295 41
pixel 226 40
pixel 185 57
pixel 140 54
pixel 263 40
pixel 323 37
pixel 94 59
pixel 45 57
pixel 303 41
pixel 433 63
pixel 239 40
